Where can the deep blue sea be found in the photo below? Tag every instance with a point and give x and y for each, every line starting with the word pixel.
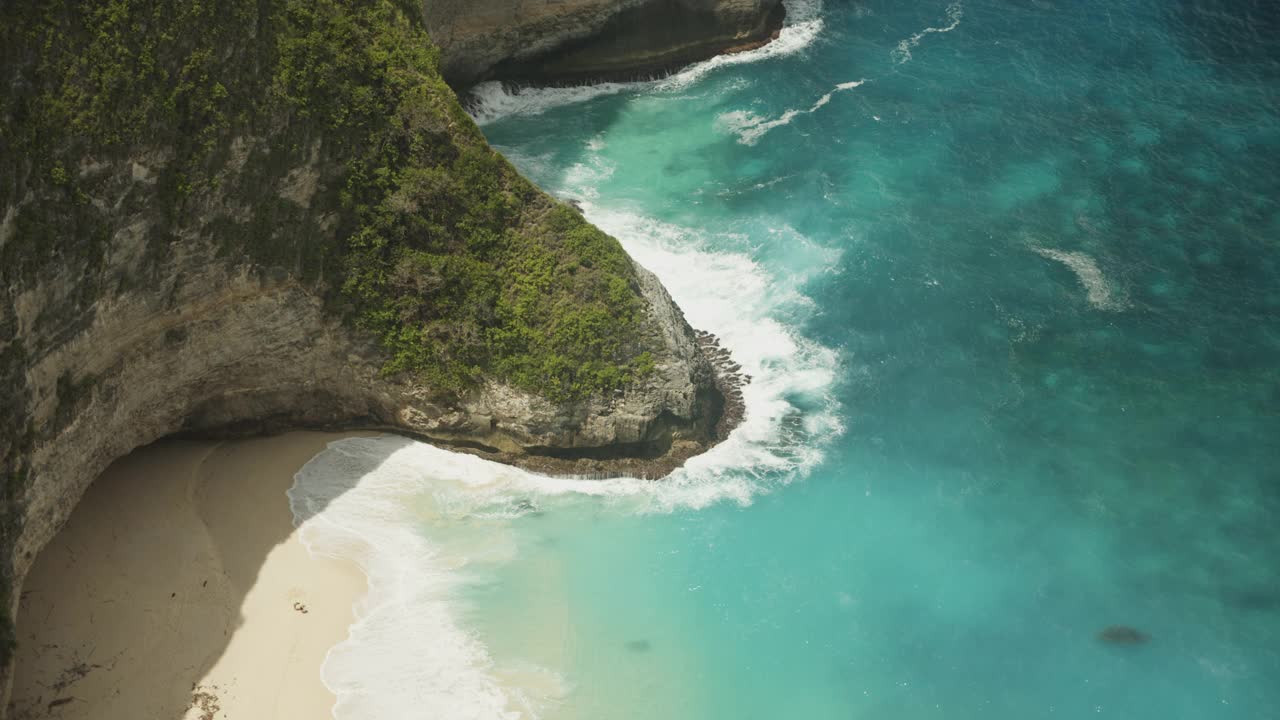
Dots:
pixel 1007 278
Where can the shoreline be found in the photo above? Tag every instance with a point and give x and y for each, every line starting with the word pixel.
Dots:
pixel 180 588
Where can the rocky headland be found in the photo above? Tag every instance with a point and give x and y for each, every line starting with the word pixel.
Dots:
pixel 286 220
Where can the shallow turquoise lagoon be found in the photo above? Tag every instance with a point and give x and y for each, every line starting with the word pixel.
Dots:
pixel 1007 277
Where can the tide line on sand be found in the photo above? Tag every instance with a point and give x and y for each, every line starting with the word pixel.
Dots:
pixel 179 589
pixel 902 53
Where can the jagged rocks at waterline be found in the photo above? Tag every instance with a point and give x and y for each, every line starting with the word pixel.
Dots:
pixel 1122 635
pixel 729 380
pixel 235 243
pixel 582 40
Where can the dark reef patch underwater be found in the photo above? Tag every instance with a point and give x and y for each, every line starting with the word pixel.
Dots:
pixel 1004 278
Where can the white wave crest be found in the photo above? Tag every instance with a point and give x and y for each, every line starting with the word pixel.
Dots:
pixel 369 499
pixel 590 173
pixel 902 53
pixel 363 499
pixel 750 127
pixel 790 408
pixel 492 101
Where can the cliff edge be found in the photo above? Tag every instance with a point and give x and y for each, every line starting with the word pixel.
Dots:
pixel 583 40
pixel 286 220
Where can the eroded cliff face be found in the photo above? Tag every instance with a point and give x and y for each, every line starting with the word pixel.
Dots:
pixel 276 235
pixel 228 347
pixel 579 40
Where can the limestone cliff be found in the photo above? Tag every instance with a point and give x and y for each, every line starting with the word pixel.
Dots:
pixel 577 40
pixel 286 220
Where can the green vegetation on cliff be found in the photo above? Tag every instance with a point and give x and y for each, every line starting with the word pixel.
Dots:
pixel 418 231
pixel 309 141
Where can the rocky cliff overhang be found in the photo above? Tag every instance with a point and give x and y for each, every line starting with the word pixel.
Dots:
pixel 216 233
pixel 584 40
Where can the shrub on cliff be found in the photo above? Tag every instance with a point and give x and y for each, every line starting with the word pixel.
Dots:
pixel 419 232
pixel 312 140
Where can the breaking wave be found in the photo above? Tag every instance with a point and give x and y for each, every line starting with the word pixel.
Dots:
pixel 368 499
pixel 492 101
pixel 421 521
pixel 750 127
pixel 902 53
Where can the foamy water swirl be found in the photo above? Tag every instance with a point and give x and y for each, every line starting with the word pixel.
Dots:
pixel 409 653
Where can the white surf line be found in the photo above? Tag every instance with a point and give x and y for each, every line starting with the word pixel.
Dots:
pixel 492 101
pixel 750 127
pixel 902 53
pixel 411 651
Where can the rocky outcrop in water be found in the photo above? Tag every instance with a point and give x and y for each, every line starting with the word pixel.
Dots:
pixel 222 347
pixel 581 40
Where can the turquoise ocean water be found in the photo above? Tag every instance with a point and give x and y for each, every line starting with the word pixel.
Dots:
pixel 1006 276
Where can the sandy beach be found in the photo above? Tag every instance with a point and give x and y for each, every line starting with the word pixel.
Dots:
pixel 179 589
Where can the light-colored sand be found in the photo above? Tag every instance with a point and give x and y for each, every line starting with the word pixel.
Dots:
pixel 177 590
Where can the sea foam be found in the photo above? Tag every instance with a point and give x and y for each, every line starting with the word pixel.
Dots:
pixel 902 53
pixel 1098 291
pixel 372 500
pixel 421 521
pixel 750 127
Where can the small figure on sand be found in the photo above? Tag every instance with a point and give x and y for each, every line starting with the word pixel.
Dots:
pixel 300 607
